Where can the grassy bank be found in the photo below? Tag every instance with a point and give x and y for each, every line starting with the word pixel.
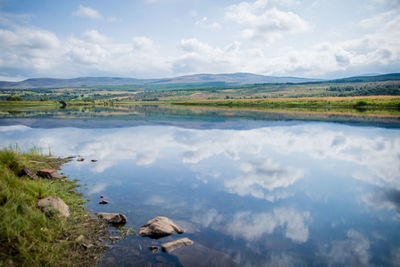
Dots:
pixel 29 237
pixel 376 102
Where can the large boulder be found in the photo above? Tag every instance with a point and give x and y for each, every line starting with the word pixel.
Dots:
pixel 49 174
pixel 112 218
pixel 52 203
pixel 159 227
pixel 170 246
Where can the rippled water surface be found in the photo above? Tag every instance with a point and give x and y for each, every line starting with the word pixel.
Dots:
pixel 247 192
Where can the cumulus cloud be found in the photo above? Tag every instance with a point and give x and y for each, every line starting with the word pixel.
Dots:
pixel 383 198
pixel 252 226
pixel 260 22
pixel 38 52
pixel 374 157
pixel 29 48
pixel 87 12
pixel 259 178
pixel 352 251
pixel 206 217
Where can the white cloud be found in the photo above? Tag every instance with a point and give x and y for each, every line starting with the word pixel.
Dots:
pixel 352 251
pixel 194 45
pixel 386 198
pixel 29 48
pixel 203 23
pixel 206 217
pixel 39 53
pixel 374 156
pixel 252 226
pixel 259 178
pixel 378 19
pixel 87 12
pixel 97 188
pixel 258 22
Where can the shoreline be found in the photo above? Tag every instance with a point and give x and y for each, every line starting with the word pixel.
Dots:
pixel 31 235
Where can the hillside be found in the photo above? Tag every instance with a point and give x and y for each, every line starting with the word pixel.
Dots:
pixel 204 79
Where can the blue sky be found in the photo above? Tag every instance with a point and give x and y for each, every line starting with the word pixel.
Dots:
pixel 165 38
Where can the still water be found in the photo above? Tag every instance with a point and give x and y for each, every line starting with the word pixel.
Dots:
pixel 247 192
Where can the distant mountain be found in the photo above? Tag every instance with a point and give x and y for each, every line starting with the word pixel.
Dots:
pixel 371 78
pixel 187 81
pixel 224 79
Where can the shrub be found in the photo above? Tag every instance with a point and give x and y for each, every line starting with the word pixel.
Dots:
pixel 14 98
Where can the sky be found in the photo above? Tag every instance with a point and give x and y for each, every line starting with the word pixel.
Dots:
pixel 168 38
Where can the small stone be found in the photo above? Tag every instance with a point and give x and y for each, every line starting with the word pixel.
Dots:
pixel 28 172
pixel 94 160
pixel 153 249
pixel 103 202
pixel 112 218
pixel 159 227
pixel 101 196
pixel 80 239
pixel 170 246
pixel 49 173
pixel 54 203
pixel 80 159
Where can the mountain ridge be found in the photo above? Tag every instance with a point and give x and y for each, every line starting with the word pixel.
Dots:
pixel 228 79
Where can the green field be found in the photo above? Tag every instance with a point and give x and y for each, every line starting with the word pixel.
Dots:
pixel 367 95
pixel 365 86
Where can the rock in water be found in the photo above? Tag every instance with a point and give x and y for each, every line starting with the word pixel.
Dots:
pixel 49 174
pixel 153 249
pixel 103 202
pixel 159 227
pixel 28 172
pixel 170 246
pixel 54 203
pixel 112 218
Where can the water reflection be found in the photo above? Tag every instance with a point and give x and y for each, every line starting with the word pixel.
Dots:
pixel 252 226
pixel 354 250
pixel 289 194
pixel 258 178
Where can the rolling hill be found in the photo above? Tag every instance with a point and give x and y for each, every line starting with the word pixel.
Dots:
pixel 223 79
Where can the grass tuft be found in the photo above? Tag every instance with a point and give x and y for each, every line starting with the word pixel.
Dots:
pixel 27 236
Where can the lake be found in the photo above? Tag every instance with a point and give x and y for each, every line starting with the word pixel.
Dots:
pixel 249 188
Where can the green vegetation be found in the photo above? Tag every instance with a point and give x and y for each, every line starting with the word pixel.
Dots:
pixel 14 98
pixel 358 86
pixel 385 102
pixel 367 95
pixel 365 106
pixel 28 237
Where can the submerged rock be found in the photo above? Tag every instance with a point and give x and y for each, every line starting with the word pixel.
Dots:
pixel 112 218
pixel 49 173
pixel 94 160
pixel 49 204
pixel 153 249
pixel 80 159
pixel 28 172
pixel 170 246
pixel 159 227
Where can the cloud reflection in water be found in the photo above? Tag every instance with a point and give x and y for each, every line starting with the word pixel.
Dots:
pixel 252 226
